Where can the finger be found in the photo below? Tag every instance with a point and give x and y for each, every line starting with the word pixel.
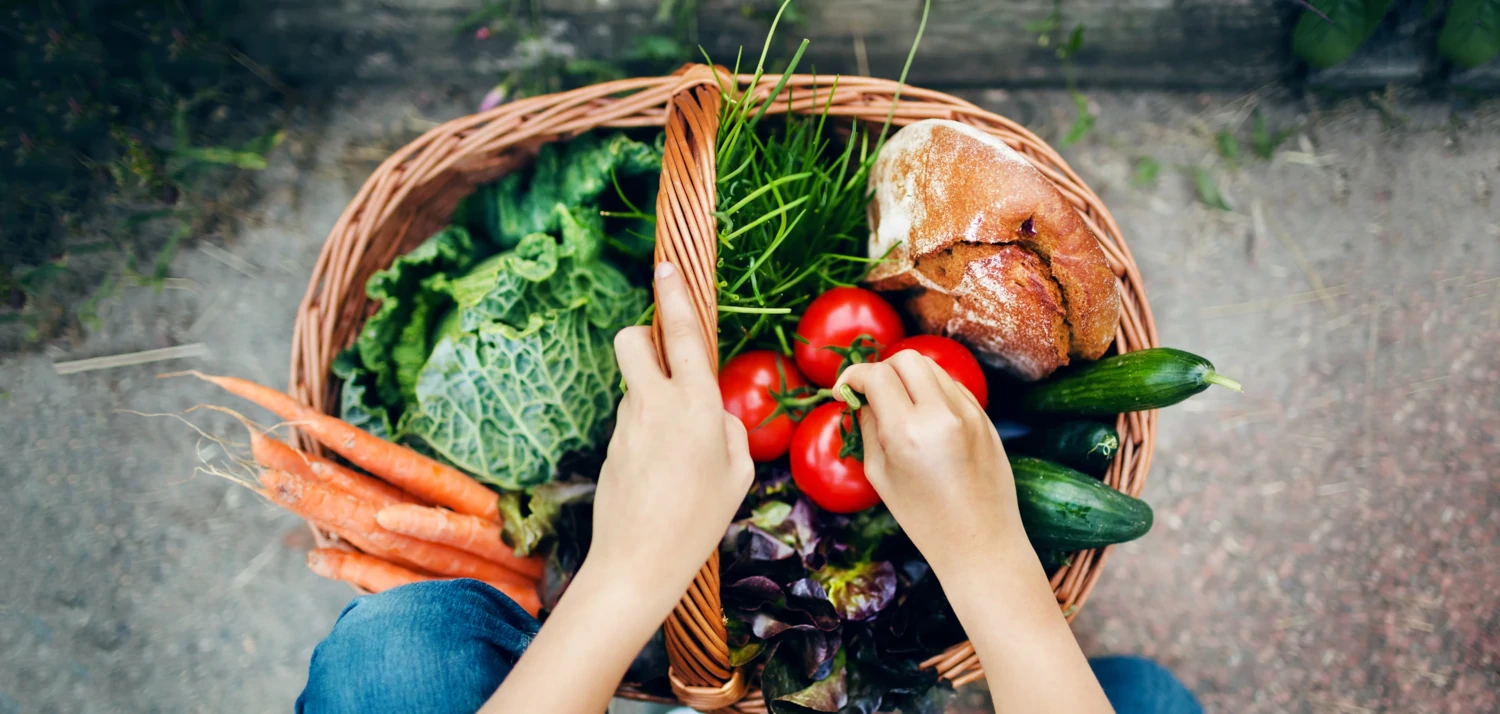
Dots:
pixel 881 386
pixel 687 354
pixel 737 439
pixel 958 396
pixel 874 455
pixel 624 418
pixel 919 374
pixel 637 357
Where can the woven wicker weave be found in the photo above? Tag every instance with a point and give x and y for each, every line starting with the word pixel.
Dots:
pixel 415 191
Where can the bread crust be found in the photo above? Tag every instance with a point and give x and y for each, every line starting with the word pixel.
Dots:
pixel 991 252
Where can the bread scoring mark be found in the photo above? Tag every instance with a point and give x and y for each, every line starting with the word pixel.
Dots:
pixel 1062 295
pixel 1031 344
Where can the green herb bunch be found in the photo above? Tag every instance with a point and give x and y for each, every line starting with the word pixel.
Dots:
pixel 791 211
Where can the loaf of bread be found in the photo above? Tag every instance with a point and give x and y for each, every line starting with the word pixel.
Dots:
pixel 988 251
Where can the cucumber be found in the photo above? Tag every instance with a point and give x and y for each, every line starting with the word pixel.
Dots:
pixel 1131 382
pixel 1065 510
pixel 1088 446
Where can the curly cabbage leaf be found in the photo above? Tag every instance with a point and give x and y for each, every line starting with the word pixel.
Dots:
pixel 412 293
pixel 504 365
pixel 357 406
pixel 575 173
pixel 526 374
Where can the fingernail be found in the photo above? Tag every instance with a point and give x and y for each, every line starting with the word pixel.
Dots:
pixel 665 270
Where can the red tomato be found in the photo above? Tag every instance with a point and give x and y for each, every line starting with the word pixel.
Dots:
pixel 746 383
pixel 835 319
pixel 954 358
pixel 835 484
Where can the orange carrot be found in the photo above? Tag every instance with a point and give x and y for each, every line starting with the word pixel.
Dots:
pixel 376 575
pixel 274 454
pixel 459 530
pixel 406 469
pixel 346 512
pixel 365 546
pixel 523 595
pixel 365 571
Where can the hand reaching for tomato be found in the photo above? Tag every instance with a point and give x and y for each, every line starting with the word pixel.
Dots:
pixel 934 458
pixel 951 357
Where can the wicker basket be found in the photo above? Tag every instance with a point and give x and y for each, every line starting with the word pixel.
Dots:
pixel 415 191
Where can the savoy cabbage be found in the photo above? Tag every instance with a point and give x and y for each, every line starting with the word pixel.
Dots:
pixel 503 365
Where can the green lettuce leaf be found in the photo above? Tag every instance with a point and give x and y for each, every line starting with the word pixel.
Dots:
pixel 505 405
pixel 412 294
pixel 357 402
pixel 575 173
pixel 544 273
pixel 530 521
pixel 525 373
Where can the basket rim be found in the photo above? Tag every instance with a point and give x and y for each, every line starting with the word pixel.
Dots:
pixel 420 184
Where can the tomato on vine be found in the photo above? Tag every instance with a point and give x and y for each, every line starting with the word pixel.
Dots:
pixel 952 357
pixel 822 465
pixel 841 326
pixel 746 383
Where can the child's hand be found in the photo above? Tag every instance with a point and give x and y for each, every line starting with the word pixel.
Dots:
pixel 935 459
pixel 678 465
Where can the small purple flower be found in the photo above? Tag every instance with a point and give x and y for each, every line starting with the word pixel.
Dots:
pixel 495 98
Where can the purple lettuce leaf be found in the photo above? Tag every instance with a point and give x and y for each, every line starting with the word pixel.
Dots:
pixel 753 593
pixel 880 681
pixel 807 597
pixel 776 530
pixel 860 592
pixel 788 691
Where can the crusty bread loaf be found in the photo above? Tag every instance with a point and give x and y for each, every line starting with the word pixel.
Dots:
pixel 989 250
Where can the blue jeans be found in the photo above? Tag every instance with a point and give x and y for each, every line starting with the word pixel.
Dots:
pixel 443 647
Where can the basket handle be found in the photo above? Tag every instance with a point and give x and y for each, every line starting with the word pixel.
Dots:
pixel 687 237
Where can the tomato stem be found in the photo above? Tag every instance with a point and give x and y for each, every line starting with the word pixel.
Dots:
pixel 851 397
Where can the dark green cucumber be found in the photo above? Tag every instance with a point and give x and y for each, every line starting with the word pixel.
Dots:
pixel 1065 510
pixel 1131 382
pixel 1088 446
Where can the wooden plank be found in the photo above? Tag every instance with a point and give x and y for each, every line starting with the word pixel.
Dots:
pixel 976 43
pixel 969 43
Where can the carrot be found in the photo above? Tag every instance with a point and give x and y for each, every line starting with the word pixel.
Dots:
pixel 346 512
pixel 523 595
pixel 408 470
pixel 376 575
pixel 274 454
pixel 365 571
pixel 462 531
pixel 365 546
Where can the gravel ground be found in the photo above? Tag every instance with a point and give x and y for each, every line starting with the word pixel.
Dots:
pixel 1322 541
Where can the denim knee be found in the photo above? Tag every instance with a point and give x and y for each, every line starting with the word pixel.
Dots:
pixel 439 647
pixel 1136 685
